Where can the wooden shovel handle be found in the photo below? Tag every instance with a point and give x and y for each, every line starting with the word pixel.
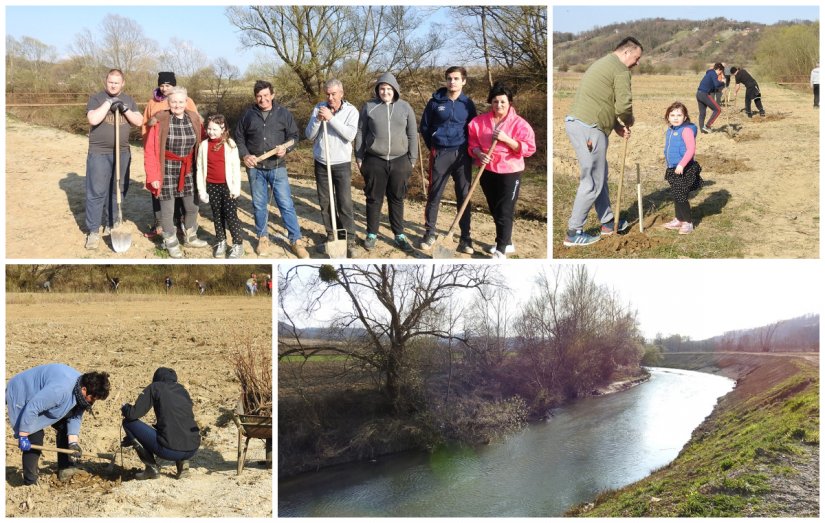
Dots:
pixel 271 152
pixel 41 447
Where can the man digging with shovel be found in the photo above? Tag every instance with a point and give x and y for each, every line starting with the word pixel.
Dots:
pixel 52 395
pixel 332 128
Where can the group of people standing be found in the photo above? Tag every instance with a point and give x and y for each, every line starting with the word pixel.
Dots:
pixel 603 104
pixel 188 161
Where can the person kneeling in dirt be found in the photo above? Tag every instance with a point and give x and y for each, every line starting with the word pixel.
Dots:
pixel 52 395
pixel 177 437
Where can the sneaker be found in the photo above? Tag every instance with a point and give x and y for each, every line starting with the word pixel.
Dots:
pixel 299 250
pixel 510 249
pixel 762 114
pixel 402 243
pixel 607 228
pixel 369 241
pixel 465 247
pixel 686 228
pixel 579 239
pixel 236 251
pixel 706 130
pixel 92 239
pixel 219 251
pixel 673 225
pixel 263 246
pixel 427 242
pixel 499 255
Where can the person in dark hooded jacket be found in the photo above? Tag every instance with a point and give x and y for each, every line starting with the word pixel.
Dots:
pixel 386 149
pixel 176 436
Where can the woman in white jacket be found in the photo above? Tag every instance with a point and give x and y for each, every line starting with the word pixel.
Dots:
pixel 219 184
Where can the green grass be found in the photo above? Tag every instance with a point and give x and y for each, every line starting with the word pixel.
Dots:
pixel 727 468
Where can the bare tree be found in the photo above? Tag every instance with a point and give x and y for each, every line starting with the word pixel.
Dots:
pixel 183 58
pixel 123 44
pixel 490 328
pixel 765 336
pixel 394 305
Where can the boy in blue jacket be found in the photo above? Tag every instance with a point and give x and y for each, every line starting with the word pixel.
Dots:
pixel 52 395
pixel 444 129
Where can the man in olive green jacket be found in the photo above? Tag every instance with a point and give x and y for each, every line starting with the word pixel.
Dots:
pixel 603 103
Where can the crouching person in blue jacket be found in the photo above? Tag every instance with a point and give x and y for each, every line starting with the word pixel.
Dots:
pixel 176 437
pixel 53 395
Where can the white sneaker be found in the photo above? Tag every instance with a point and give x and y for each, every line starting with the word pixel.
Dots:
pixel 499 256
pixel 510 249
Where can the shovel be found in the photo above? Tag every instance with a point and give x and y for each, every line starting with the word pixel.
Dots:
pixel 639 197
pixel 98 455
pixel 444 247
pixel 336 248
pixel 121 239
pixel 617 211
pixel 272 151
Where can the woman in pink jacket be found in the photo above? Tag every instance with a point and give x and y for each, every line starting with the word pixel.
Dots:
pixel 502 175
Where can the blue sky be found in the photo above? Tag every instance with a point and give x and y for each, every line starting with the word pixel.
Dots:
pixel 575 19
pixel 207 27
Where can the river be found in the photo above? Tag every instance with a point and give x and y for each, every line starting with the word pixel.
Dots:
pixel 588 446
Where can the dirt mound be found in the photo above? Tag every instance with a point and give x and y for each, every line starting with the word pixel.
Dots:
pixel 722 165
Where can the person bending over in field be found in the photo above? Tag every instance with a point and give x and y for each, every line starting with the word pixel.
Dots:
pixel 176 437
pixel 53 395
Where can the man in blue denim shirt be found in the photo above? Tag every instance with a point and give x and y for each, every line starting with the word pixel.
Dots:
pixel 264 127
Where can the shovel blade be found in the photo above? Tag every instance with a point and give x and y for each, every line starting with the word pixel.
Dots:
pixel 337 249
pixel 444 248
pixel 121 240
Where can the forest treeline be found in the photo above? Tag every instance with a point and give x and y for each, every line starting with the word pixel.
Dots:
pixel 780 51
pixel 427 354
pixel 134 279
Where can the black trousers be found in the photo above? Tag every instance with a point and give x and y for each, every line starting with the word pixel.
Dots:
pixel 342 187
pixel 385 178
pixel 501 191
pixel 816 95
pixel 32 457
pixel 455 164
pixel 753 94
pixel 224 212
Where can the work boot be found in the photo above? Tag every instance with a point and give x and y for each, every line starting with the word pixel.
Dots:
pixel 263 246
pixel 173 247
pixel 182 467
pixel 152 470
pixel 299 250
pixel 67 473
pixel 92 239
pixel 219 250
pixel 191 239
pixel 236 251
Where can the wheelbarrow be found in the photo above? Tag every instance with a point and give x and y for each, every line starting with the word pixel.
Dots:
pixel 252 426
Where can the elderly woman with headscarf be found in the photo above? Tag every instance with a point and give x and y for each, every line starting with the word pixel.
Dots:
pixel 501 181
pixel 171 148
pixel 386 149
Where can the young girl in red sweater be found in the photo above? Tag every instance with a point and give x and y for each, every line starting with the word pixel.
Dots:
pixel 219 184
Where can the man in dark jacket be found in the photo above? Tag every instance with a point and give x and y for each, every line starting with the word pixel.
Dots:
pixel 444 129
pixel 752 93
pixel 263 127
pixel 177 437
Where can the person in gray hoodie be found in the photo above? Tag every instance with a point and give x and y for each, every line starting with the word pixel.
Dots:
pixel 386 149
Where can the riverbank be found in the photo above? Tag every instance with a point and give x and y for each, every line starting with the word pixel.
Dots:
pixel 757 454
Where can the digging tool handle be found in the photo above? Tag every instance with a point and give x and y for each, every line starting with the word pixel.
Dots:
pixel 119 197
pixel 329 181
pixel 109 457
pixel 470 193
pixel 271 152
pixel 617 212
pixel 639 197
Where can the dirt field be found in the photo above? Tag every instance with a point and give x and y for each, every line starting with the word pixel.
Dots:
pixel 86 332
pixel 45 199
pixel 761 194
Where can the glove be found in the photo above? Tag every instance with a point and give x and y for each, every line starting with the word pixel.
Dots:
pixel 124 409
pixel 117 106
pixel 24 444
pixel 122 108
pixel 113 100
pixel 78 452
pixel 204 197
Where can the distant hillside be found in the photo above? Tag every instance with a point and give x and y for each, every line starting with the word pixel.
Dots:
pixel 799 334
pixel 670 45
